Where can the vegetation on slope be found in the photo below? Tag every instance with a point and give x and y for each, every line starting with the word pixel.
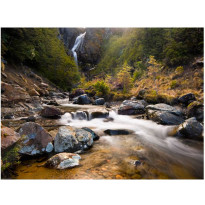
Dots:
pixel 40 49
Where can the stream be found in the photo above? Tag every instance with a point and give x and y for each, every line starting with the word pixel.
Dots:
pixel 147 152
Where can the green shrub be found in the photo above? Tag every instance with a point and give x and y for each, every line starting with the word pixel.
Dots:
pixel 179 70
pixel 101 88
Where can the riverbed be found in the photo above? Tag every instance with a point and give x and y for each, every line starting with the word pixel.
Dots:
pixel 147 152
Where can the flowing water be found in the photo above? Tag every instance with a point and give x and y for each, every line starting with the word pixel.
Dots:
pixel 147 153
pixel 77 46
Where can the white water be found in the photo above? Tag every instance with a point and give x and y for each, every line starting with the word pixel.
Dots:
pixel 151 134
pixel 77 46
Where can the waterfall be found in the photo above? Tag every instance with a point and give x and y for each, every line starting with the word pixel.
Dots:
pixel 77 46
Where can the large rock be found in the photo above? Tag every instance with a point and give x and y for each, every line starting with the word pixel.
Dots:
pixel 82 100
pixel 129 107
pixel 187 99
pixel 164 114
pixel 94 135
pixel 8 137
pixel 35 139
pixel 14 93
pixel 69 139
pixel 191 128
pixel 196 109
pixel 63 161
pixel 51 112
pixel 99 101
pixel 98 113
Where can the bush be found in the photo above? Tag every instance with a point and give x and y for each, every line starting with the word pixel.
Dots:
pixel 101 88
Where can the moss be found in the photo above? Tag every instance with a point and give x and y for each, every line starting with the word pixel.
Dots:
pixel 10 157
pixel 179 70
pixel 193 104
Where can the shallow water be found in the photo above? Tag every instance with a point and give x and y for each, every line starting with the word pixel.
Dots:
pixel 112 157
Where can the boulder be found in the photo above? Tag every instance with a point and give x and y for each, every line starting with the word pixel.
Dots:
pixel 14 93
pixel 187 99
pixel 164 114
pixel 69 139
pixel 129 107
pixel 191 128
pixel 82 100
pixel 99 101
pixel 63 161
pixel 8 137
pixel 98 113
pixel 51 112
pixel 94 135
pixel 196 109
pixel 35 139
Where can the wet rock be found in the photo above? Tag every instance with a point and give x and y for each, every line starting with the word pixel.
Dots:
pixel 35 139
pixel 187 99
pixel 117 132
pixel 69 139
pixel 63 161
pixel 9 116
pixel 99 101
pixel 94 135
pixel 82 100
pixel 51 112
pixel 99 113
pixel 79 115
pixel 8 137
pixel 164 114
pixel 108 119
pixel 29 119
pixel 129 107
pixel 191 128
pixel 108 105
pixel 196 109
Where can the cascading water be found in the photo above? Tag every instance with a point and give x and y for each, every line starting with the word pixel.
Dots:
pixel 154 136
pixel 78 46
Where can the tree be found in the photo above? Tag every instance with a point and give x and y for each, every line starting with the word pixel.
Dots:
pixel 124 78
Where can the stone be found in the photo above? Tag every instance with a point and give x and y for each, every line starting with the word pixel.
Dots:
pixel 44 85
pixel 191 128
pixel 33 92
pixel 98 113
pixel 82 100
pixel 63 161
pixel 164 114
pixel 94 135
pixel 99 101
pixel 79 115
pixel 187 99
pixel 196 109
pixel 14 93
pixel 69 139
pixel 117 132
pixel 51 112
pixel 129 107
pixel 8 137
pixel 34 139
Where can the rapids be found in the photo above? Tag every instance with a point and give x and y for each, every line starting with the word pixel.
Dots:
pixel 159 154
